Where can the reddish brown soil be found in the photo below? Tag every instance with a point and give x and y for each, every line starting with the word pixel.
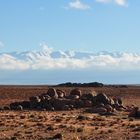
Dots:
pixel 41 125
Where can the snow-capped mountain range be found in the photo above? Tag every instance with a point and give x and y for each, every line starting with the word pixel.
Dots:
pixel 47 58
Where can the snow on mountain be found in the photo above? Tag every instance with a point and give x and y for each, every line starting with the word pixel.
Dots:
pixel 47 58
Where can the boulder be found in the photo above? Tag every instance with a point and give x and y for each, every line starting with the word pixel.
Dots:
pixel 76 92
pixel 118 104
pixel 88 96
pixel 99 110
pixel 73 97
pixel 87 103
pixel 34 99
pixel 46 104
pixel 60 93
pixel 19 107
pixel 109 108
pixel 25 104
pixel 60 104
pixel 52 93
pixel 135 112
pixel 98 105
pixel 79 103
pixel 34 102
pixel 120 101
pixel 117 101
pixel 66 107
pixel 101 98
pixel 111 102
pixel 45 97
pixel 14 105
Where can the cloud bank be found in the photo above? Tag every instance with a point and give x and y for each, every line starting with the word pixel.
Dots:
pixel 49 59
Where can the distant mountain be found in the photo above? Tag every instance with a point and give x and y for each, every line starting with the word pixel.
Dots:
pixel 31 55
pixel 53 67
pixel 47 58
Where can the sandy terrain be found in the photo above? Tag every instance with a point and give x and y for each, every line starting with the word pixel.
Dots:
pixel 69 125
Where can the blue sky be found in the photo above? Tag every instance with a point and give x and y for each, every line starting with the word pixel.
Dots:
pixel 98 27
pixel 48 28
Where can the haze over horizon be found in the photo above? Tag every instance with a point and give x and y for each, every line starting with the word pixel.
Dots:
pixel 69 41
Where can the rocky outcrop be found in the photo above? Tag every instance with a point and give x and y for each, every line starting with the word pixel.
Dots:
pixel 56 99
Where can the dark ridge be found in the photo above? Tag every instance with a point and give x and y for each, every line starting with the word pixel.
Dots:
pixel 117 86
pixel 69 84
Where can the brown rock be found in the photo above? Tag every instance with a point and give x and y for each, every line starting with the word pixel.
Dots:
pixel 60 104
pixel 102 98
pixel 134 113
pixel 109 108
pixel 87 103
pixel 76 92
pixel 52 93
pixel 34 102
pixel 61 93
pixel 99 110
pixel 79 103
pixel 73 97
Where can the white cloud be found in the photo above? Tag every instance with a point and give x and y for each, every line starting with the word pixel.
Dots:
pixel 8 62
pixel 118 2
pixel 46 59
pixel 121 2
pixel 77 4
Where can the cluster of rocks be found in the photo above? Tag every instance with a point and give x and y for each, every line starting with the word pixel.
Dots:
pixel 56 99
pixel 102 104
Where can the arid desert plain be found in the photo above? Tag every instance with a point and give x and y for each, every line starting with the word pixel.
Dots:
pixel 73 124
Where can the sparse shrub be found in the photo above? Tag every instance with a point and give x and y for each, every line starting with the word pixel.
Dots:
pixel 50 128
pixel 57 136
pixel 131 119
pixel 80 129
pixel 110 131
pixel 96 128
pixel 22 117
pixel 81 117
pixel 32 116
pixel 14 138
